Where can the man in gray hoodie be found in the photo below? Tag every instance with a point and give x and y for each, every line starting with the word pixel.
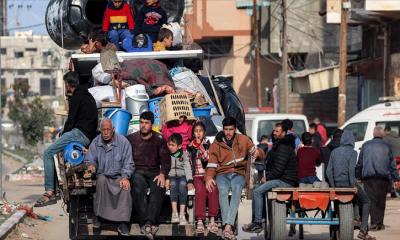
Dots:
pixel 376 167
pixel 341 173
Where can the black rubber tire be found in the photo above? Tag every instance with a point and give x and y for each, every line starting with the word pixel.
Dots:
pixel 346 224
pixel 278 223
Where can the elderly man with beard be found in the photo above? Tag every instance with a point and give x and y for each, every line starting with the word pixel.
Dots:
pixel 153 162
pixel 110 156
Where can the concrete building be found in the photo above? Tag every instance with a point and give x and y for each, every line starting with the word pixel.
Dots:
pixel 36 60
pixel 223 29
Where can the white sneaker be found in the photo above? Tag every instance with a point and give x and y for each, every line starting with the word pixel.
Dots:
pixel 175 218
pixel 182 220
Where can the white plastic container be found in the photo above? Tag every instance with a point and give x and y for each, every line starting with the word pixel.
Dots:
pixel 136 99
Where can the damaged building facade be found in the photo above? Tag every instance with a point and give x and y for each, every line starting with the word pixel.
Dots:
pixel 313 49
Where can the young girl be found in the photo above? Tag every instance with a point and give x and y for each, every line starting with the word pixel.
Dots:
pixel 198 149
pixel 179 178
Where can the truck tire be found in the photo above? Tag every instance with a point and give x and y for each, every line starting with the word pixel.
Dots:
pixel 278 223
pixel 346 225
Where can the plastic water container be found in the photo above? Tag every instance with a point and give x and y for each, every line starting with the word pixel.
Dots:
pixel 73 153
pixel 154 107
pixel 120 119
pixel 204 111
pixel 134 125
pixel 136 99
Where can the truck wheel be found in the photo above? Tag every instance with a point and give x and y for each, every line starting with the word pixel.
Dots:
pixel 73 218
pixel 346 225
pixel 278 223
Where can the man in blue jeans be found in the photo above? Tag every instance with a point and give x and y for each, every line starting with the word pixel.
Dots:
pixel 281 171
pixel 80 126
pixel 227 163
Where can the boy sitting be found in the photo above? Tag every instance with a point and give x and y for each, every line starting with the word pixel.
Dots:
pixel 165 39
pixel 118 21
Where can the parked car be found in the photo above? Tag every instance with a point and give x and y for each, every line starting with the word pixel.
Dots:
pixel 258 124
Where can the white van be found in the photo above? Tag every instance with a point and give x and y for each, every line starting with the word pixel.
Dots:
pixel 258 124
pixel 363 123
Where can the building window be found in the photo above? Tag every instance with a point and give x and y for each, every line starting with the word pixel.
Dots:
pixel 21 72
pixel 19 54
pixel 31 49
pixel 3 51
pixel 47 86
pixel 3 83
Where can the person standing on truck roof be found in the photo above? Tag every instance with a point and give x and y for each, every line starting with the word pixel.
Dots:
pixel 375 167
pixel 227 163
pixel 81 126
pixel 341 173
pixel 281 171
pixel 118 21
pixel 150 19
pixel 110 156
pixel 152 163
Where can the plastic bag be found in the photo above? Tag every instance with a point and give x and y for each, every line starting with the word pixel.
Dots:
pixel 229 100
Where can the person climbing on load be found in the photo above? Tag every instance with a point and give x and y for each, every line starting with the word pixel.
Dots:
pixel 80 126
pixel 118 21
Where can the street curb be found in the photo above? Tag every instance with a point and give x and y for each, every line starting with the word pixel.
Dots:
pixel 11 223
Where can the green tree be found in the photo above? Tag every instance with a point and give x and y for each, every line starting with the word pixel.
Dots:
pixel 31 115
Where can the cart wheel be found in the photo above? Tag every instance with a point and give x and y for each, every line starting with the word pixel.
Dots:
pixel 346 224
pixel 73 218
pixel 278 223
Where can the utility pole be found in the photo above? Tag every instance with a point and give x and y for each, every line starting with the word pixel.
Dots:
pixel 257 48
pixel 345 6
pixel 285 91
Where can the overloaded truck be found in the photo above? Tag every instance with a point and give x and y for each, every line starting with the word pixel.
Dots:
pixel 68 23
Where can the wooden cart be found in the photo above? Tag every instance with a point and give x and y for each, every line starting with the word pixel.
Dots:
pixel 328 206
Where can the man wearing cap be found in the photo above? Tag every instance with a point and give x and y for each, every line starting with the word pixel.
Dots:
pixel 110 156
pixel 80 126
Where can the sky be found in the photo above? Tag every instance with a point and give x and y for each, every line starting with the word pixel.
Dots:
pixel 25 15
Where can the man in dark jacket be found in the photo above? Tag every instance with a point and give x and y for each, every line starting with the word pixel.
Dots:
pixel 375 166
pixel 281 172
pixel 80 126
pixel 342 163
pixel 341 173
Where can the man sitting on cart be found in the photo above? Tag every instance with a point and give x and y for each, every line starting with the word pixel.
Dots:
pixel 80 126
pixel 110 156
pixel 281 171
pixel 227 163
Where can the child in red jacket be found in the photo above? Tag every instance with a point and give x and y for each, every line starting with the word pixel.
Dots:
pixel 118 21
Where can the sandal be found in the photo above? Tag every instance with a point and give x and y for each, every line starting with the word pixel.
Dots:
pixel 200 228
pixel 45 200
pixel 213 228
pixel 364 236
pixel 228 234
